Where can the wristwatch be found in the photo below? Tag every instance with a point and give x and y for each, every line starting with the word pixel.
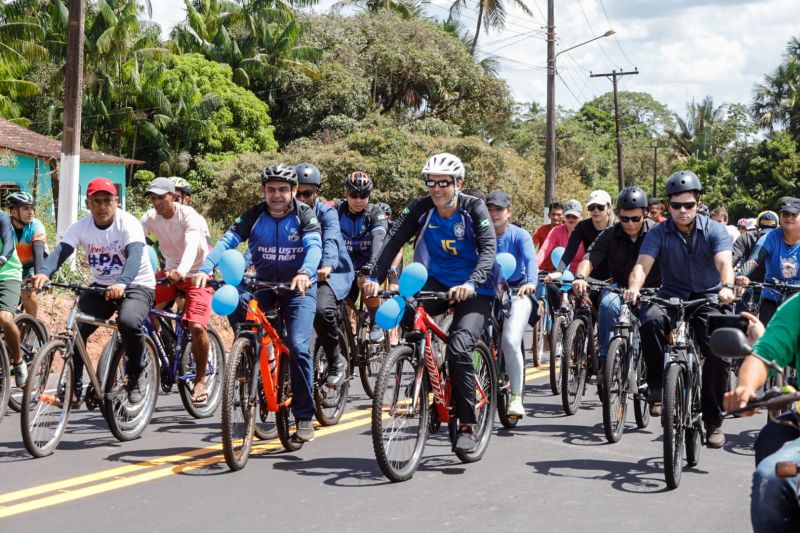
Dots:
pixel 730 286
pixel 580 277
pixel 302 272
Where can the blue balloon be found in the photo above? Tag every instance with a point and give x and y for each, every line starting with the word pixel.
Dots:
pixel 231 266
pixel 153 256
pixel 508 264
pixel 225 300
pixel 390 313
pixel 566 278
pixel 412 279
pixel 555 255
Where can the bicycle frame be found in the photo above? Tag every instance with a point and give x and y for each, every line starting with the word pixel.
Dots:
pixel 180 343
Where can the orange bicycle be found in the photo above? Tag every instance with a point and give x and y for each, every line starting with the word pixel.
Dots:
pixel 257 381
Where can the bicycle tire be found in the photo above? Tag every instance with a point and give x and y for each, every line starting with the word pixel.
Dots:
pixel 540 333
pixel 330 402
pixel 32 336
pixel 44 416
pixel 372 357
pixel 186 366
pixel 238 410
pixel 126 420
pixel 573 366
pixel 641 411
pixel 265 426
pixel 485 375
pixel 284 418
pixel 5 381
pixel 615 407
pixel 693 432
pixel 672 422
pixel 504 393
pixel 556 354
pixel 395 383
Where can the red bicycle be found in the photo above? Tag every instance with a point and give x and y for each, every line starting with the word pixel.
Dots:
pixel 413 395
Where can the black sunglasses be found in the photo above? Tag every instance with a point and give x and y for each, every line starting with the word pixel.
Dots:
pixel 599 207
pixel 359 195
pixel 308 193
pixel 637 218
pixel 686 205
pixel 442 184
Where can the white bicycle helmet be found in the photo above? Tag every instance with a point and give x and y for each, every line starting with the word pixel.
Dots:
pixel 444 164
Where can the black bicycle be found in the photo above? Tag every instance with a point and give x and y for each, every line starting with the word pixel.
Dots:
pixel 580 354
pixel 561 319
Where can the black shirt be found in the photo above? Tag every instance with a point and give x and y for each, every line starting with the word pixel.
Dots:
pixel 584 233
pixel 615 251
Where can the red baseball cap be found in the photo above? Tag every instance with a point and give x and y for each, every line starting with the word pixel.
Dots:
pixel 100 185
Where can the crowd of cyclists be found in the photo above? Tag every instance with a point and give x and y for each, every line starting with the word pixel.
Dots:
pixel 328 252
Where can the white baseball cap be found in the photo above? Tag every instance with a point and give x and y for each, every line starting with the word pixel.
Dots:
pixel 599 198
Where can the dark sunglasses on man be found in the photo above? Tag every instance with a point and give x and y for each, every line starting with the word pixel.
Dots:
pixel 442 184
pixel 359 195
pixel 637 218
pixel 308 193
pixel 686 205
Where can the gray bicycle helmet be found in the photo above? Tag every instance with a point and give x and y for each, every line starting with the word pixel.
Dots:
pixel 632 198
pixel 16 199
pixel 683 181
pixel 308 174
pixel 279 172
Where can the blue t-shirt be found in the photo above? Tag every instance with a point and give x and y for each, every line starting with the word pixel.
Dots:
pixel 782 262
pixel 518 242
pixel 363 233
pixel 686 271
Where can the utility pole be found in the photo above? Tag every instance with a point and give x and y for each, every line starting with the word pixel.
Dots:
pixel 73 104
pixel 550 143
pixel 613 75
pixel 655 169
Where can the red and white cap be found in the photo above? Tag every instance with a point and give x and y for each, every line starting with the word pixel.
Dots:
pixel 100 185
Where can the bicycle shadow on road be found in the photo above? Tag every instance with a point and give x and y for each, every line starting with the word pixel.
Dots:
pixel 742 443
pixel 346 472
pixel 569 434
pixel 645 476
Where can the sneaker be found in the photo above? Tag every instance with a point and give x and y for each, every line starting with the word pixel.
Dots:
pixel 655 409
pixel 304 431
pixel 134 388
pixel 715 437
pixel 20 373
pixel 466 441
pixel 77 393
pixel 375 333
pixel 336 372
pixel 515 407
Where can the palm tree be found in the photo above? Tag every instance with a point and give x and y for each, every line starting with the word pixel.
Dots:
pixel 491 14
pixel 490 65
pixel 20 33
pixel 776 102
pixel 694 135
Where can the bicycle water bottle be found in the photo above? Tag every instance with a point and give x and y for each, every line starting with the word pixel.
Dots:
pixel 269 348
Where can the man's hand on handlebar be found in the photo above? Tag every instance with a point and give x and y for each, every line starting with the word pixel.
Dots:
pixel 726 296
pixel 738 398
pixel 370 289
pixel 199 280
pixel 527 289
pixel 631 295
pixel 460 293
pixel 38 281
pixel 553 276
pixel 580 287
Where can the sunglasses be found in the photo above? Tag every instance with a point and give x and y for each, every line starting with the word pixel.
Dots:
pixel 308 193
pixel 686 205
pixel 598 207
pixel 359 195
pixel 637 218
pixel 442 184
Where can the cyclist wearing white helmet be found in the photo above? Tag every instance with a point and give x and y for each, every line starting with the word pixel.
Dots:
pixel 31 241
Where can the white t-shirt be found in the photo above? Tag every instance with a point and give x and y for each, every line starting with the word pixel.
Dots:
pixel 181 238
pixel 105 248
pixel 733 231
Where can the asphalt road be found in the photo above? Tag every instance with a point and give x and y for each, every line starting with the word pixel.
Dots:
pixel 552 473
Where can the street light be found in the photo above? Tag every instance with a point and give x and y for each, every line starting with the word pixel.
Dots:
pixel 550 149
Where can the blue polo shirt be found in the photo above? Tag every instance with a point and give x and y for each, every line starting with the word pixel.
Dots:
pixel 685 272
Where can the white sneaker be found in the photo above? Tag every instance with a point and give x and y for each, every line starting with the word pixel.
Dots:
pixel 515 407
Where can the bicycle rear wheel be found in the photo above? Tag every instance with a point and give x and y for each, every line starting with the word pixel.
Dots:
pixel 400 414
pixel 672 419
pixel 330 402
pixel 32 336
pixel 127 420
pixel 238 409
pixel 284 418
pixel 215 375
pixel 641 412
pixel 372 356
pixel 615 407
pixel 556 353
pixel 504 393
pixel 573 367
pixel 5 382
pixel 485 381
pixel 46 399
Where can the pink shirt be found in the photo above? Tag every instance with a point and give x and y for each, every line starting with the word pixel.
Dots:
pixel 558 236
pixel 181 238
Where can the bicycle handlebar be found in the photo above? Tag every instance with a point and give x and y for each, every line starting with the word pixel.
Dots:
pixel 75 287
pixel 774 398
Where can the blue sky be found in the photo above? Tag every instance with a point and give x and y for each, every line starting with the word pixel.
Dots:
pixel 684 49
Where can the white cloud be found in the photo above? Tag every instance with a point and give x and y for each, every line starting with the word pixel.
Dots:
pixel 684 49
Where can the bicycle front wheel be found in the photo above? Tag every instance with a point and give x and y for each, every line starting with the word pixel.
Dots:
pixel 284 418
pixel 238 408
pixel 615 407
pixel 573 367
pixel 46 399
pixel 400 413
pixel 504 393
pixel 32 336
pixel 486 402
pixel 640 409
pixel 127 420
pixel 672 417
pixel 556 353
pixel 215 375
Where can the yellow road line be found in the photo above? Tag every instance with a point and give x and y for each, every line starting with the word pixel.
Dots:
pixel 123 470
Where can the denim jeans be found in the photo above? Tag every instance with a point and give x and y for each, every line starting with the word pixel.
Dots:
pixel 775 502
pixel 608 314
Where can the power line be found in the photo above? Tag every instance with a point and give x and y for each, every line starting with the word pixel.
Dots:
pixel 569 89
pixel 591 30
pixel 473 10
pixel 518 39
pixel 615 35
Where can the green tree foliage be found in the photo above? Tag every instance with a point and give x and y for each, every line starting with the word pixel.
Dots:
pixel 491 15
pixel 776 101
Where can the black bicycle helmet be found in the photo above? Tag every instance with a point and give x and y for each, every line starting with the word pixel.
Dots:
pixel 358 182
pixel 16 199
pixel 682 181
pixel 632 198
pixel 308 174
pixel 279 172
pixel 387 209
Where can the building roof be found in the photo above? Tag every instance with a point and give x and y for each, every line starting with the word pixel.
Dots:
pixel 24 141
